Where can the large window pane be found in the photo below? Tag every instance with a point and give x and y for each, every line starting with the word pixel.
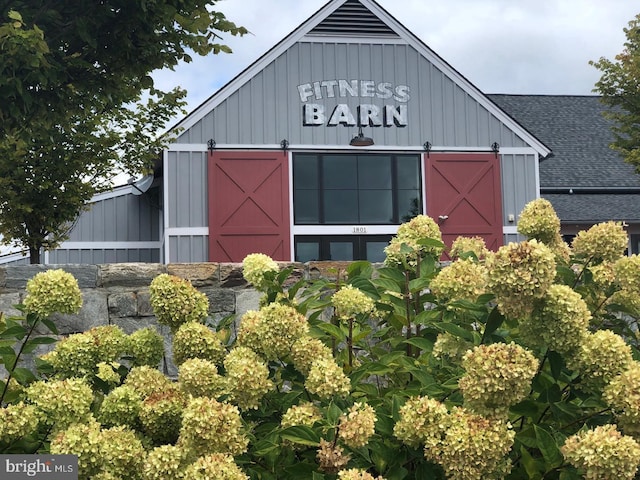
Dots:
pixel 341 251
pixel 307 251
pixel 376 206
pixel 408 172
pixel 305 207
pixel 305 171
pixel 341 206
pixel 375 251
pixel 409 204
pixel 340 171
pixel 374 172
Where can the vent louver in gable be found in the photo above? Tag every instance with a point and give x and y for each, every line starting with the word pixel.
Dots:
pixel 353 19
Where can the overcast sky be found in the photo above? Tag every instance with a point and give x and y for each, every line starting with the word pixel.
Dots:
pixel 501 46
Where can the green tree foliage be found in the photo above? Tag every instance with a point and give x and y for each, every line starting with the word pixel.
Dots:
pixel 73 76
pixel 620 89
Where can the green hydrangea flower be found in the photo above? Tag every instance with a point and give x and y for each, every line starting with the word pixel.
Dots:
pixel 603 453
pixel 175 301
pixel 53 291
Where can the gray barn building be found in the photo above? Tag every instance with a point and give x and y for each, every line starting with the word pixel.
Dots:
pixel 321 148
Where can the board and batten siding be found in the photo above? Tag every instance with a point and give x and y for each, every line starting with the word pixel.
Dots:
pixel 186 235
pixel 268 107
pixel 119 228
pixel 519 175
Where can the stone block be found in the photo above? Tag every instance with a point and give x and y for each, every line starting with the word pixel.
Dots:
pixel 328 270
pixel 231 275
pixel 199 274
pixel 144 304
pixel 123 304
pixel 17 276
pixel 131 324
pixel 126 275
pixel 220 299
pixel 94 313
pixel 7 302
pixel 247 300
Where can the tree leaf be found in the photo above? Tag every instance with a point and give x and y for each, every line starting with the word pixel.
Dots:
pixel 494 320
pixel 302 435
pixel 23 376
pixel 549 448
pixel 556 363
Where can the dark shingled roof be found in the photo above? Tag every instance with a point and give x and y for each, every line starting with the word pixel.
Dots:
pixel 574 128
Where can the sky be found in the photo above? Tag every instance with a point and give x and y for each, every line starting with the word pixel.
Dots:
pixel 501 46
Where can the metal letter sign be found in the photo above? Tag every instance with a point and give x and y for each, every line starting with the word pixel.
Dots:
pixel 367 114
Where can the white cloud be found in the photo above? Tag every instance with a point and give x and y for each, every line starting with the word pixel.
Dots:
pixel 501 46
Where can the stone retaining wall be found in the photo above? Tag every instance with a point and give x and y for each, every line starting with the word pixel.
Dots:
pixel 118 294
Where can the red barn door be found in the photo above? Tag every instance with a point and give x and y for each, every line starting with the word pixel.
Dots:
pixel 464 195
pixel 248 205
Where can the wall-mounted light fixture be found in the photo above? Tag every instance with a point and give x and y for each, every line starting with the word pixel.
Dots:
pixel 211 145
pixel 495 148
pixel 284 144
pixel 360 140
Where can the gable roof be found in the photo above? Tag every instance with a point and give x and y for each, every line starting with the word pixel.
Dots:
pixel 585 180
pixel 574 127
pixel 369 22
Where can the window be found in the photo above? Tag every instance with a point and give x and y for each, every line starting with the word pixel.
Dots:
pixel 341 247
pixel 368 189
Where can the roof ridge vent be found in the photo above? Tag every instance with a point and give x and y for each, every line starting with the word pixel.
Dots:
pixel 353 19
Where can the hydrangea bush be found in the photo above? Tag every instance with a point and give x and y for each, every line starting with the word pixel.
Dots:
pixel 517 364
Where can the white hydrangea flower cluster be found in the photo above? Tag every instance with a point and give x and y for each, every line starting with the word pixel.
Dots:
pixel 195 340
pixel 273 330
pixel 475 245
pixel 520 273
pixel 255 267
pixel 161 415
pixel 350 302
pixel 53 291
pixel 247 378
pixel 305 414
pixel 109 453
pixel 466 445
pixel 622 394
pixel 422 422
pixel 327 379
pixel 164 462
pixel 331 457
pixel 450 346
pixel 199 378
pixel 560 321
pixel 604 242
pixel 357 474
pixel 357 425
pixel 61 403
pixel 496 377
pixel 175 301
pixel 539 220
pixel 209 426
pixel 601 356
pixel 17 420
pixel 603 453
pixel 121 406
pixel 463 279
pixel 420 227
pixel 307 350
pixel 218 466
